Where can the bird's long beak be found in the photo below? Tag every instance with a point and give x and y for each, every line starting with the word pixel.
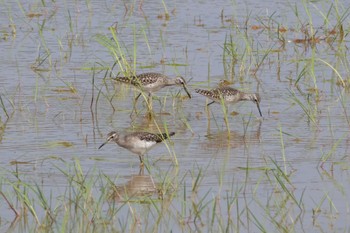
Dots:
pixel 257 104
pixel 103 144
pixel 188 93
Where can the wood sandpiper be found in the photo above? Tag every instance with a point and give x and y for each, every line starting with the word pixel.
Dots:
pixel 138 142
pixel 229 95
pixel 152 82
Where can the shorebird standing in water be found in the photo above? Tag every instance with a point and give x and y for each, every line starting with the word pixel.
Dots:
pixel 229 95
pixel 138 142
pixel 152 82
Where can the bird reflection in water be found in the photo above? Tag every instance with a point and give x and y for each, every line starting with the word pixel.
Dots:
pixel 139 187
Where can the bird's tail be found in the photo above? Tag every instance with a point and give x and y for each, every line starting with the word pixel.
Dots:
pixel 128 80
pixel 163 136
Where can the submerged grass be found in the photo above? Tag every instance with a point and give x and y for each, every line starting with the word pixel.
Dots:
pixel 3 107
pixel 185 202
pixel 310 109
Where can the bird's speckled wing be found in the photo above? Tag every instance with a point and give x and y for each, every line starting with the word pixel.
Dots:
pixel 141 79
pixel 150 78
pixel 229 94
pixel 224 91
pixel 152 137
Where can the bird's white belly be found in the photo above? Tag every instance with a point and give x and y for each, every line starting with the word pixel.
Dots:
pixel 231 98
pixel 153 87
pixel 141 147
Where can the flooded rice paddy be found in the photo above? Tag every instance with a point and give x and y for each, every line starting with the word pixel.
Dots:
pixel 223 171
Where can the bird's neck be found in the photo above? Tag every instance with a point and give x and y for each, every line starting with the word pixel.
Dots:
pixel 170 82
pixel 247 96
pixel 120 140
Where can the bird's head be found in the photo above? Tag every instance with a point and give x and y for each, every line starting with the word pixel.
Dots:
pixel 256 98
pixel 112 136
pixel 180 81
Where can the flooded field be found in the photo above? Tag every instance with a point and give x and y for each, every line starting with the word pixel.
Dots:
pixel 226 169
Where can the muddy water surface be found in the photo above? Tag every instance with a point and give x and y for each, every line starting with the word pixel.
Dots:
pixel 292 162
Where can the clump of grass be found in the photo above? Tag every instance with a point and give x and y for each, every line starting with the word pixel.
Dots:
pixel 119 52
pixel 325 157
pixel 186 201
pixel 4 108
pixel 115 48
pixel 309 108
pixel 229 56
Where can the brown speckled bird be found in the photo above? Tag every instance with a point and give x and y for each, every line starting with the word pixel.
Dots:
pixel 138 142
pixel 229 95
pixel 152 82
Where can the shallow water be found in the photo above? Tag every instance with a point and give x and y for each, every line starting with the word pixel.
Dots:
pixel 51 124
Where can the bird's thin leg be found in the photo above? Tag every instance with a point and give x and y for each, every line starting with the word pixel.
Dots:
pixel 207 109
pixel 141 161
pixel 226 121
pixel 150 101
pixel 141 171
pixel 150 106
pixel 210 103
